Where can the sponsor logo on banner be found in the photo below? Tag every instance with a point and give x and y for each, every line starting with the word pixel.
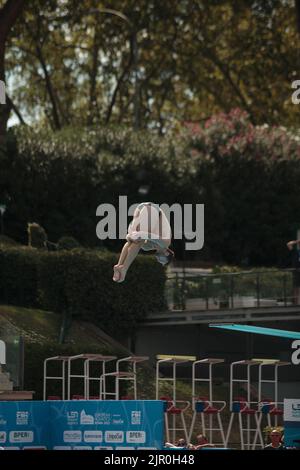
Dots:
pixel 125 448
pixel 103 418
pixel 134 437
pixel 2 436
pixel 72 417
pixel 72 436
pixel 93 436
pixel 147 448
pixel 62 448
pixel 117 419
pixel 86 419
pixel 82 448
pixel 136 417
pixel 21 436
pixel 291 409
pixel 114 436
pixel 22 418
pixel 34 448
pixel 103 448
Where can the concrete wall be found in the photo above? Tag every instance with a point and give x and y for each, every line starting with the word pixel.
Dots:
pixel 202 341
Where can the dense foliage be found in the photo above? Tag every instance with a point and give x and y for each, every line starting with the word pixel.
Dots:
pixel 79 283
pixel 193 58
pixel 247 176
pixel 256 172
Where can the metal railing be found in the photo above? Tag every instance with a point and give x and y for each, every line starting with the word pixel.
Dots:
pixel 250 289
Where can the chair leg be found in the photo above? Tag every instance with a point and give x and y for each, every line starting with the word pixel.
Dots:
pixel 192 425
pixel 229 429
pixel 259 431
pixel 167 427
pixel 241 431
pixel 203 423
pixel 100 388
pixel 221 429
pixel 117 388
pixel 258 423
pixel 184 427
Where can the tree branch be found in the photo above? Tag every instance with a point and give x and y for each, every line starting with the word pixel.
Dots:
pixel 49 88
pixel 118 85
pixel 93 78
pixel 14 108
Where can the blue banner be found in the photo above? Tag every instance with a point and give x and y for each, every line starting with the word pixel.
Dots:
pixel 292 422
pixel 82 425
pixel 24 424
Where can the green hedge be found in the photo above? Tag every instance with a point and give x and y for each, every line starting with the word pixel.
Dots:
pixel 19 276
pixel 246 176
pixel 79 283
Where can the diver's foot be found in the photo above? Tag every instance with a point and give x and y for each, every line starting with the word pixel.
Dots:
pixel 118 273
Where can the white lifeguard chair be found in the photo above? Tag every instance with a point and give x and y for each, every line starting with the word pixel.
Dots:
pixel 85 360
pixel 101 361
pixel 119 375
pixel 206 406
pixel 269 406
pixel 61 378
pixel 242 407
pixel 173 407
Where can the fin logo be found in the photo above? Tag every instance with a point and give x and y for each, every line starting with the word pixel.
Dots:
pixel 86 419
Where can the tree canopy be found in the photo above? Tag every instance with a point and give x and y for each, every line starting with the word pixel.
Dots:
pixel 158 63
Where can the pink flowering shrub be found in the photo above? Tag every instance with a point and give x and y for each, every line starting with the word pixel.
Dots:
pixel 253 207
pixel 232 135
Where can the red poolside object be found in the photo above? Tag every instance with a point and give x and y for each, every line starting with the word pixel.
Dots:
pixel 209 409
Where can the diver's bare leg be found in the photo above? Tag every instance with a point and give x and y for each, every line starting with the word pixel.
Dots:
pixel 127 257
pixel 123 254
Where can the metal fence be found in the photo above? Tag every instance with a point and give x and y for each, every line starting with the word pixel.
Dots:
pixel 266 288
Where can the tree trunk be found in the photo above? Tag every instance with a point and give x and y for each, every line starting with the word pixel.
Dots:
pixel 50 90
pixel 4 108
pixel 297 6
pixel 93 106
pixel 9 14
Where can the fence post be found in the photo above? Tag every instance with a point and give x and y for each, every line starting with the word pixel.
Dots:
pixel 183 304
pixel 232 290
pixel 284 290
pixel 206 293
pixel 258 290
